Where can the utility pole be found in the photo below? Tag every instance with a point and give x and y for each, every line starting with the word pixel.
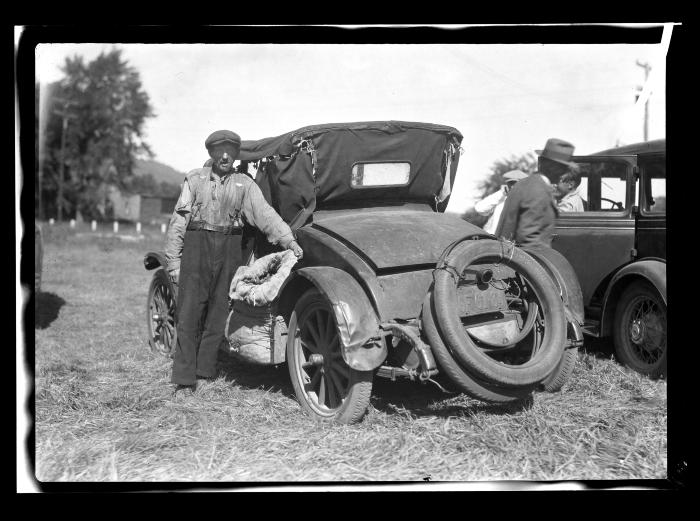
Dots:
pixel 646 68
pixel 66 116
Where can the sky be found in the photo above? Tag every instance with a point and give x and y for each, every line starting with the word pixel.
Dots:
pixel 505 99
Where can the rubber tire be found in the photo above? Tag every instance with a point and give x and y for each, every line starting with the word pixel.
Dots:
pixel 463 349
pixel 555 381
pixel 160 277
pixel 465 382
pixel 356 401
pixel 623 345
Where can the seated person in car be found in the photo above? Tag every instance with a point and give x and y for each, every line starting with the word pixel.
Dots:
pixel 567 194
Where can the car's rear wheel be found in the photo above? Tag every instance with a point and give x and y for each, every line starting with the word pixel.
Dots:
pixel 326 387
pixel 555 381
pixel 161 308
pixel 640 329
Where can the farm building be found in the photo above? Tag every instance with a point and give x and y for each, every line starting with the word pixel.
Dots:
pixel 156 209
pixel 144 208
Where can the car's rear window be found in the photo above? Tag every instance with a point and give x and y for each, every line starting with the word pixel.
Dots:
pixel 394 173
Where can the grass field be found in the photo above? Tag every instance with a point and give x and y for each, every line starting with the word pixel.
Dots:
pixel 104 410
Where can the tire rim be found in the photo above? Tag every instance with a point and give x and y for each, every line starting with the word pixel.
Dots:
pixel 162 318
pixel 321 370
pixel 529 317
pixel 647 330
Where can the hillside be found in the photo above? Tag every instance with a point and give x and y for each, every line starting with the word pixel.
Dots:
pixel 160 172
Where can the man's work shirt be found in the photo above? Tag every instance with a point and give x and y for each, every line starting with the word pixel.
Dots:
pixel 571 202
pixel 212 199
pixel 491 205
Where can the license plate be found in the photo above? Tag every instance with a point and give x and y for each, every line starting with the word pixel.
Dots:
pixel 474 300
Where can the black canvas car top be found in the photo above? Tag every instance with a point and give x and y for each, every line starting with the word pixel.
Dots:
pixel 314 164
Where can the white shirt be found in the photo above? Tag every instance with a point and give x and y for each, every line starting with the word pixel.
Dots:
pixel 571 202
pixel 491 205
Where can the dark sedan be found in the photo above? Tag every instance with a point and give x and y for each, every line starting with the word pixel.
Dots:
pixel 617 247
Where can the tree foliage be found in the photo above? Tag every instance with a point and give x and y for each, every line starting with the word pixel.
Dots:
pixel 103 108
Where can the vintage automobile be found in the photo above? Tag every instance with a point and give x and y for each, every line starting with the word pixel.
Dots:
pixel 617 248
pixel 390 285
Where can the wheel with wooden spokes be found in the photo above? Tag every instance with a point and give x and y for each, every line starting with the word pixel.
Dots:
pixel 325 385
pixel 160 318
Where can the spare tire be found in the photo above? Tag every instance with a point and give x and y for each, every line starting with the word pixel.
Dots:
pixel 463 348
pixel 466 383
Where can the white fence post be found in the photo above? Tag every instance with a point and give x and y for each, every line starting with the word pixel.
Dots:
pixel 72 223
pixel 51 221
pixel 93 226
pixel 138 227
pixel 116 226
pixel 162 228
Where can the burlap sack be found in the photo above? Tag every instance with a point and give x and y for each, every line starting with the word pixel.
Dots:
pixel 250 323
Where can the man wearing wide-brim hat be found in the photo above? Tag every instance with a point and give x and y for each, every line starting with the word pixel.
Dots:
pixel 530 211
pixel 203 251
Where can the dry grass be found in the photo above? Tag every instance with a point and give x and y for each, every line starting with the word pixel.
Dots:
pixel 104 410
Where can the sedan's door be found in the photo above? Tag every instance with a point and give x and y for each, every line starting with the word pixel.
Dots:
pixel 600 240
pixel 651 221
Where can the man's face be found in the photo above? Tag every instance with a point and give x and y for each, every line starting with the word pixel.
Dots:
pixel 223 154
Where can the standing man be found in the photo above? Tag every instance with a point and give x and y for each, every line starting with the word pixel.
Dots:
pixel 492 205
pixel 530 211
pixel 203 251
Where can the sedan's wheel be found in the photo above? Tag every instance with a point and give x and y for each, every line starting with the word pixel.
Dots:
pixel 160 318
pixel 640 329
pixel 324 384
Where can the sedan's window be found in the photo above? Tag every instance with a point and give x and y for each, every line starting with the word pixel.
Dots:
pixel 612 193
pixel 655 173
pixel 603 186
pixel 380 174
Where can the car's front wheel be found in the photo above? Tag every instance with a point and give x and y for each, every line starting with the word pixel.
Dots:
pixel 160 311
pixel 640 329
pixel 325 385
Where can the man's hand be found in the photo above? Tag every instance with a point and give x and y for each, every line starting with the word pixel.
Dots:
pixel 174 275
pixel 298 252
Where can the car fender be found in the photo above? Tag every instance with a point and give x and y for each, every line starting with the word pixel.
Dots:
pixel 651 270
pixel 564 276
pixel 154 259
pixel 362 345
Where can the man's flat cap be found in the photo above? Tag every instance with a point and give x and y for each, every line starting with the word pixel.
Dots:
pixel 222 136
